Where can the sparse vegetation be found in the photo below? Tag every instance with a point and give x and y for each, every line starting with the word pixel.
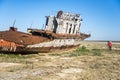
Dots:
pixel 96 52
pixel 80 51
pixel 10 55
pixel 15 58
pixel 55 54
pixel 85 63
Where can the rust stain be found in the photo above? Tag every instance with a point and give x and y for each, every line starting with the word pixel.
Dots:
pixel 21 38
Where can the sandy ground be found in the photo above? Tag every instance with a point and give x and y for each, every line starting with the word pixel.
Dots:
pixel 48 66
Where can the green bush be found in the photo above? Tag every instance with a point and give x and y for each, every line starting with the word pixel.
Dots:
pixel 96 52
pixel 80 51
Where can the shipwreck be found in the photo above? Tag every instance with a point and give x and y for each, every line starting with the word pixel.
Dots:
pixel 60 32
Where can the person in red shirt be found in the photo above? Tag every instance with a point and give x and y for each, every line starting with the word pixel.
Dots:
pixel 110 45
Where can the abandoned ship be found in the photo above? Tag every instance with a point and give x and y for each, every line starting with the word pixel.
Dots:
pixel 60 32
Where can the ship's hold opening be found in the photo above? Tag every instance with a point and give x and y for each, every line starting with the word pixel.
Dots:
pixel 49 36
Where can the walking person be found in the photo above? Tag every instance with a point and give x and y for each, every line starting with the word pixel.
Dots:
pixel 110 45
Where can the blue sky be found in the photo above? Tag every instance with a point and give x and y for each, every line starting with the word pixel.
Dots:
pixel 101 18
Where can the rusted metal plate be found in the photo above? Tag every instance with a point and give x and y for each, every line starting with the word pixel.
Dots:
pixel 21 37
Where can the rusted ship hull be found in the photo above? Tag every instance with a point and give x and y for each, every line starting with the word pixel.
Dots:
pixel 60 32
pixel 55 45
pixel 43 49
pixel 48 46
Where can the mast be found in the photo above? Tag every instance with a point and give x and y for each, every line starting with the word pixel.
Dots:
pixel 14 22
